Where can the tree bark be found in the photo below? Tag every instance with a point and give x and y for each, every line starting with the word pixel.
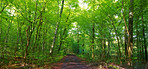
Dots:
pixel 117 37
pixel 104 47
pixel 125 30
pixel 130 36
pixel 83 46
pixel 137 40
pixel 78 39
pixel 61 36
pixel 29 32
pixel 57 26
pixel 93 38
pixel 145 47
pixel 125 42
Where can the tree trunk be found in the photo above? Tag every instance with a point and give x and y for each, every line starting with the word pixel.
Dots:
pixel 130 29
pixel 117 37
pixel 137 41
pixel 145 47
pixel 28 41
pixel 78 39
pixel 61 35
pixel 104 48
pixel 125 42
pixel 57 26
pixel 93 38
pixel 29 32
pixel 125 31
pixel 83 46
pixel 108 53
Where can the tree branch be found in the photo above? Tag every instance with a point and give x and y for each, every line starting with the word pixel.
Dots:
pixel 3 8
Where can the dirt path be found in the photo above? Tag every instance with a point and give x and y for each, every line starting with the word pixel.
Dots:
pixel 70 62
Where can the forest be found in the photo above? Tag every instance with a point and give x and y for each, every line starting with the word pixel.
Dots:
pixel 73 34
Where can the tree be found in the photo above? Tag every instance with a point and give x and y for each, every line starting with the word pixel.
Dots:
pixel 57 26
pixel 110 31
pixel 130 36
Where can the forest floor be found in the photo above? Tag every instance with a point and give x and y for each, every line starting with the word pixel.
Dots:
pixel 74 62
pixel 67 62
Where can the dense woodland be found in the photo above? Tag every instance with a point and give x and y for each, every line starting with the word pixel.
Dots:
pixel 41 32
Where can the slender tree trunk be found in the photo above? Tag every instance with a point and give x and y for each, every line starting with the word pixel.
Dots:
pixel 38 34
pixel 54 39
pixel 61 35
pixel 104 47
pixel 137 42
pixel 117 37
pixel 93 38
pixel 27 37
pixel 83 46
pixel 141 48
pixel 125 42
pixel 145 47
pixel 108 53
pixel 125 31
pixel 78 40
pixel 142 54
pixel 130 29
pixel 29 33
pixel 28 41
pixel 57 26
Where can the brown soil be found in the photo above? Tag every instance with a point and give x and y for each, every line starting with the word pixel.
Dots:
pixel 70 62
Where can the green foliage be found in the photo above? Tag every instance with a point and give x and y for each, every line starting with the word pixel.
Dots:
pixel 75 34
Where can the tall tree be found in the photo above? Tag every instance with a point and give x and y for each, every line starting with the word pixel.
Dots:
pixel 93 38
pixel 125 30
pixel 143 28
pixel 117 37
pixel 64 32
pixel 145 47
pixel 57 27
pixel 130 29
